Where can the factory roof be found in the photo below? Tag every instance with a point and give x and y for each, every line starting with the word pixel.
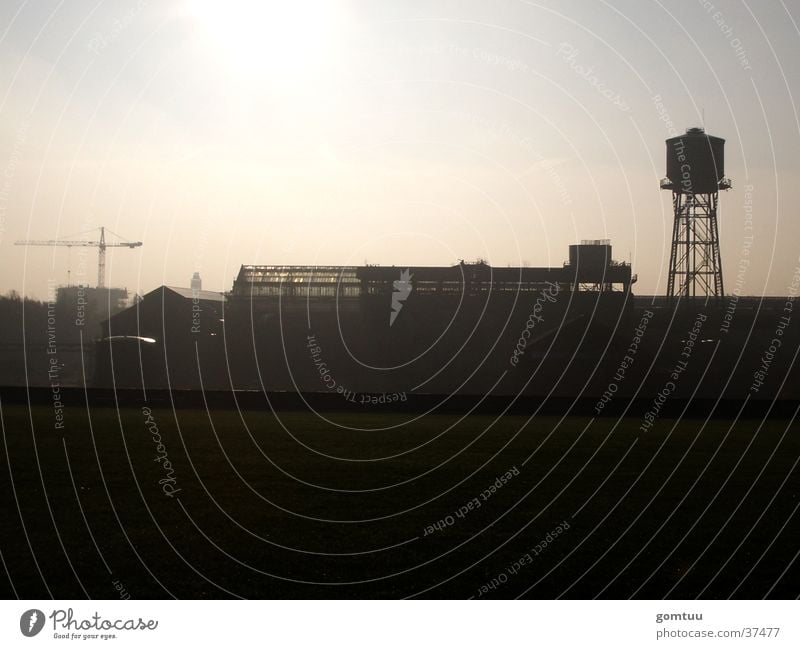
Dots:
pixel 191 294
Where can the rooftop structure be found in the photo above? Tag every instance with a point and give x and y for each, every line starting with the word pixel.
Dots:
pixel 590 267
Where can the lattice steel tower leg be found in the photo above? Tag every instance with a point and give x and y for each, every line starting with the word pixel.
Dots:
pixel 695 263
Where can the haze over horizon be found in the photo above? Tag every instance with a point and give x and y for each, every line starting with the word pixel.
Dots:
pixel 394 132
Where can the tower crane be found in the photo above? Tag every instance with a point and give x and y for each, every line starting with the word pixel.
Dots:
pixel 101 246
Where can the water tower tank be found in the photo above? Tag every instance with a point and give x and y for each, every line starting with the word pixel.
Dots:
pixel 591 258
pixel 695 162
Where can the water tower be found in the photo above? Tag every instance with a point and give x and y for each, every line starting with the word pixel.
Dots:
pixel 695 174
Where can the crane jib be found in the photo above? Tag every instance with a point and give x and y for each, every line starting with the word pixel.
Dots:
pixel 101 245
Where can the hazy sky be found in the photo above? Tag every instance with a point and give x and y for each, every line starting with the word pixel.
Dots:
pixel 399 132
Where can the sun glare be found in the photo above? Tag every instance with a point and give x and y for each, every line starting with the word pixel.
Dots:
pixel 287 38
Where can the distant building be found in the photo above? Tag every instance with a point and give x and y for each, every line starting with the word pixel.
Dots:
pixel 197 283
pixel 161 336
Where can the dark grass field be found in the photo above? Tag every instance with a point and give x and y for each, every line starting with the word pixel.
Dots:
pixel 333 505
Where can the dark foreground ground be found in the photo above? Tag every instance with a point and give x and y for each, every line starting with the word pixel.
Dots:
pixel 337 505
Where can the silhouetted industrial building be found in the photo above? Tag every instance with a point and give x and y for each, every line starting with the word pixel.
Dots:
pixel 571 331
pixel 157 341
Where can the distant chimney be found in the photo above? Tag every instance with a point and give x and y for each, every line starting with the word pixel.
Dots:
pixel 197 283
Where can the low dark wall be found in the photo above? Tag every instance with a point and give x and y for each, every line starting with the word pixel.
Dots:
pixel 373 403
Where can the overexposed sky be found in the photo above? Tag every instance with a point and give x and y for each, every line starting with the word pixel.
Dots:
pixel 402 132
